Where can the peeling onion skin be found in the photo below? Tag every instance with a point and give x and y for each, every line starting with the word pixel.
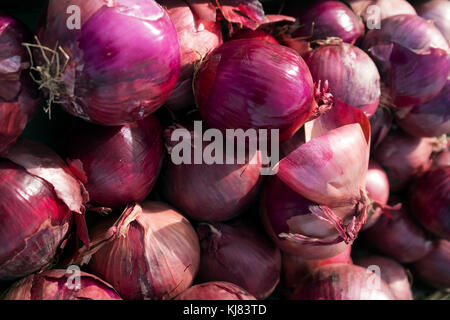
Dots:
pixel 430 201
pixel 272 90
pixel 119 76
pixel 404 42
pixel 240 254
pixel 19 97
pixel 342 282
pixel 403 157
pixel 162 253
pixel 380 125
pixel 393 273
pixel 439 12
pixel 352 76
pixel 215 290
pixel 443 159
pixel 387 8
pixel 399 237
pixel 430 119
pixel 197 37
pixel 325 19
pixel 433 268
pixel 56 285
pixel 122 163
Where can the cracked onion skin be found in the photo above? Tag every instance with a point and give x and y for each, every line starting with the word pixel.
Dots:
pixel 19 97
pixel 58 284
pixel 154 254
pixel 121 164
pixel 119 76
pixel 215 290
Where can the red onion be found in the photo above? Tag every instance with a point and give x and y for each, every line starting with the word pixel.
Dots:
pixel 121 163
pixel 430 201
pixel 18 96
pixel 392 273
pixel 217 290
pixel 325 19
pixel 197 36
pixel 352 76
pixel 38 195
pixel 429 119
pixel 255 84
pixel 60 285
pixel 403 157
pixel 249 13
pixel 240 254
pixel 151 252
pixel 443 159
pixel 437 11
pixel 343 282
pixel 295 268
pixel 403 43
pixel 433 269
pixel 377 186
pixel 385 9
pixel 116 76
pixel 380 124
pixel 398 237
pixel 254 34
pixel 211 192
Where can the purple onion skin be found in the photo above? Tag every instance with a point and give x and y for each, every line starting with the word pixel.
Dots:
pixel 377 186
pixel 18 96
pixel 429 119
pixel 254 34
pixel 279 204
pixel 392 273
pixel 433 269
pixel 402 43
pixel 388 8
pixel 380 124
pixel 443 159
pixel 240 254
pixel 119 76
pixel 55 285
pixel 197 37
pixel 430 201
pixel 403 157
pixel 325 19
pixel 215 290
pixel 252 83
pixel 352 76
pixel 439 12
pixel 399 237
pixel 122 163
pixel 342 282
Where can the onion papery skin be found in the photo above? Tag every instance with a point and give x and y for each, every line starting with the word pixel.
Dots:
pixel 377 186
pixel 393 273
pixel 119 76
pixel 159 246
pixel 121 163
pixel 342 282
pixel 387 8
pixel 399 47
pixel 285 211
pixel 352 76
pixel 380 124
pixel 429 119
pixel 437 11
pixel 443 159
pixel 18 96
pixel 430 201
pixel 325 19
pixel 212 192
pixel 251 83
pixel 254 34
pixel 56 285
pixel 215 290
pixel 433 269
pixel 403 157
pixel 399 237
pixel 241 254
pixel 197 37
pixel 295 268
pixel 39 195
